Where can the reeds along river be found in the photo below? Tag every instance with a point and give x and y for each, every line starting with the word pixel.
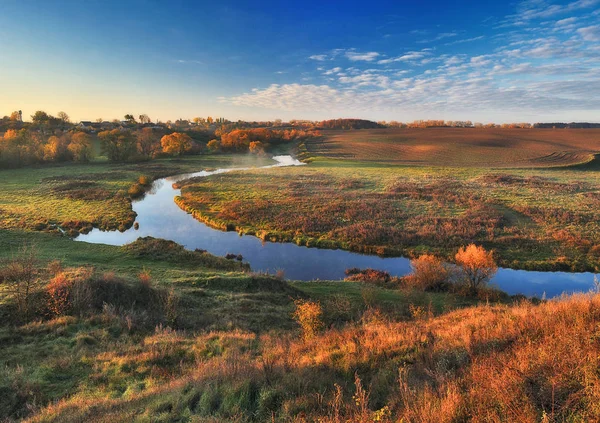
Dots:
pixel 158 216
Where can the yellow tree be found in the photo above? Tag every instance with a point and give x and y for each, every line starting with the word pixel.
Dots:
pixel 476 264
pixel 176 143
pixel 214 145
pixel 55 149
pixel 256 147
pixel 81 147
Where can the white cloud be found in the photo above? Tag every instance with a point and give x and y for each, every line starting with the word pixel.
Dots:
pixel 318 57
pixel 410 56
pixel 551 66
pixel 567 21
pixel 541 9
pixel 466 40
pixel 590 33
pixel 441 36
pixel 366 57
pixel 332 71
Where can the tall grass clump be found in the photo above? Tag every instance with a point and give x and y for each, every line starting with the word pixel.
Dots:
pixel 309 315
pixel 20 275
pixel 429 273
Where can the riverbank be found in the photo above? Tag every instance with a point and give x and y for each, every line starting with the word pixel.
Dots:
pixel 546 221
pixel 80 197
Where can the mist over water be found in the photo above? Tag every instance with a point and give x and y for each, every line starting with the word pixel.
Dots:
pixel 158 216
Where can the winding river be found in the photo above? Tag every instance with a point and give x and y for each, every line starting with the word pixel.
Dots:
pixel 158 216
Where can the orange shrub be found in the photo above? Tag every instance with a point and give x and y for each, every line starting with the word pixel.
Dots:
pixel 476 265
pixel 309 315
pixel 428 273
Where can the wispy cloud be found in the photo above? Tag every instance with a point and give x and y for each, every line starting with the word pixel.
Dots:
pixel 548 65
pixel 529 10
pixel 441 36
pixel 318 57
pixel 186 62
pixel 410 56
pixel 590 33
pixel 366 57
pixel 466 40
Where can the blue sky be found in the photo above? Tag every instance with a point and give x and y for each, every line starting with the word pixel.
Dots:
pixel 533 60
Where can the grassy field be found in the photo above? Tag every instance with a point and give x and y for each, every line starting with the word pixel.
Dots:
pixel 461 147
pixel 152 332
pixel 127 347
pixel 536 218
pixel 234 354
pixel 82 196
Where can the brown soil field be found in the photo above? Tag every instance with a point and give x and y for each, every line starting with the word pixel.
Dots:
pixel 463 147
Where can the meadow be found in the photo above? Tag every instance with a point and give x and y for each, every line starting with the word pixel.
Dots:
pixel 153 332
pixel 398 203
pixel 146 333
pixel 78 197
pixel 106 322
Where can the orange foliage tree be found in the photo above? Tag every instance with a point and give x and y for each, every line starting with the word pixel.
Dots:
pixel 476 264
pixel 176 143
pixel 214 145
pixel 81 147
pixel 256 147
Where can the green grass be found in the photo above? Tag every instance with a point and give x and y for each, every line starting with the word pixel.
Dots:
pixel 225 356
pixel 545 219
pixel 85 195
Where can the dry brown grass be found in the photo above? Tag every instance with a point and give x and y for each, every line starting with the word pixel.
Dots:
pixel 521 363
pixel 466 147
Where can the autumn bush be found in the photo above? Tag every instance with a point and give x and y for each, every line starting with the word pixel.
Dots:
pixel 476 265
pixel 520 363
pixel 429 273
pixel 82 292
pixel 136 190
pixel 144 180
pixel 309 315
pixel 20 275
pixel 368 275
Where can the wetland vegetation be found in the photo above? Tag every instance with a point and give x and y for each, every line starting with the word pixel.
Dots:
pixel 150 331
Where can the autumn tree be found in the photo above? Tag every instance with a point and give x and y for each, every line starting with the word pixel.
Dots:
pixel 477 266
pixel 63 117
pixel 256 147
pixel 15 116
pixel 14 147
pixel 40 117
pixel 176 143
pixel 214 145
pixel 56 149
pixel 118 145
pixel 148 142
pixel 81 147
